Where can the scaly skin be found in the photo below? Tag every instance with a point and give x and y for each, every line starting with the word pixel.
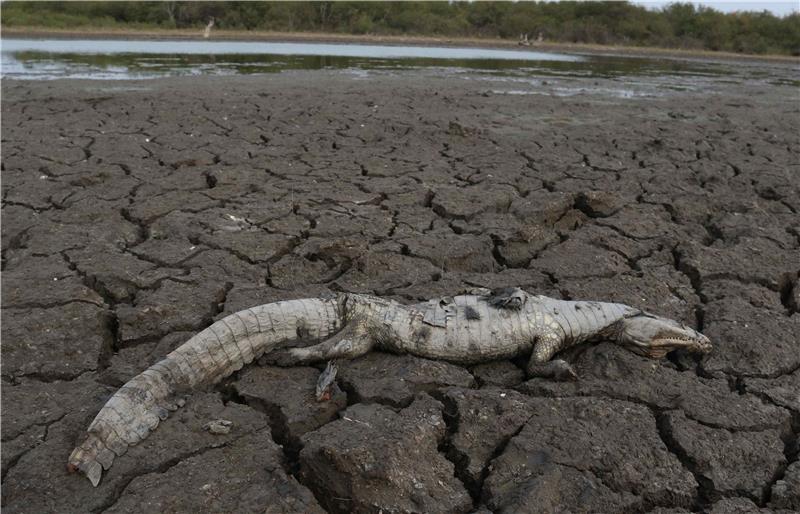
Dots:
pixel 463 329
pixel 481 328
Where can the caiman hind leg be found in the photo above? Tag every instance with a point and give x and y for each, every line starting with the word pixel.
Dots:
pixel 326 383
pixel 541 364
pixel 350 342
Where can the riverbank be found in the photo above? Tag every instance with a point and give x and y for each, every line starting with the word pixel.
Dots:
pixel 576 48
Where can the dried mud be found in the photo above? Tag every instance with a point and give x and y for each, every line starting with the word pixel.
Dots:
pixel 136 213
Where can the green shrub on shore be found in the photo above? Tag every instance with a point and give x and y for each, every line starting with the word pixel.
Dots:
pixel 19 18
pixel 679 25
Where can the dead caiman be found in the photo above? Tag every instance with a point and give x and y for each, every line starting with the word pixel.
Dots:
pixel 465 329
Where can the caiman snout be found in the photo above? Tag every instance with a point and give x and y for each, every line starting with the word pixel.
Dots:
pixel 703 344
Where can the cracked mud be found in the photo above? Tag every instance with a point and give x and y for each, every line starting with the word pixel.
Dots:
pixel 132 220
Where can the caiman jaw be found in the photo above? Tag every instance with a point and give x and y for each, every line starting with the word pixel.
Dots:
pixel 660 346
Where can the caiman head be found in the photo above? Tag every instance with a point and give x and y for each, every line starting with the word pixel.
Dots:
pixel 654 336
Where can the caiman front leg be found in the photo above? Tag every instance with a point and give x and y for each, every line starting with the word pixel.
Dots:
pixel 541 365
pixel 546 345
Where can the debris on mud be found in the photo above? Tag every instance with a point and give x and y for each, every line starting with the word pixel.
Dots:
pixel 218 426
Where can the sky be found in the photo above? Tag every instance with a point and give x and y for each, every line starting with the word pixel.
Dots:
pixel 778 8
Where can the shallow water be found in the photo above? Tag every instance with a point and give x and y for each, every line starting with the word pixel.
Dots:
pixel 134 59
pixel 506 71
pixel 203 47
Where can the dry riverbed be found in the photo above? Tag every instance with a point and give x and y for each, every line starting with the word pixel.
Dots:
pixel 137 212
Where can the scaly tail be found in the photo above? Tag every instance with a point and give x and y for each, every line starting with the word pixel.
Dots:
pixel 136 409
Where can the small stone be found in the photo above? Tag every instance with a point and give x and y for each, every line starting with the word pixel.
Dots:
pixel 218 426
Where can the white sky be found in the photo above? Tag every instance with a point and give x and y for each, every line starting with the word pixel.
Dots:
pixel 781 8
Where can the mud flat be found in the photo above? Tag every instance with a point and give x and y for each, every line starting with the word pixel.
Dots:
pixel 137 212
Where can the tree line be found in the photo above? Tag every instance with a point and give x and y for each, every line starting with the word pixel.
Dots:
pixel 678 25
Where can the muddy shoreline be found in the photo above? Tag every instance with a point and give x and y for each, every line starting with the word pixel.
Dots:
pixel 135 213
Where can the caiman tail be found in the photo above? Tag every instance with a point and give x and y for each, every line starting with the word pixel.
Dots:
pixel 232 342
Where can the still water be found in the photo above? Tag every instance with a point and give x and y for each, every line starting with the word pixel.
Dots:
pixel 518 71
pixel 129 59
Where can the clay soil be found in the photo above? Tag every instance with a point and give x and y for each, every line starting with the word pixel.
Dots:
pixel 135 213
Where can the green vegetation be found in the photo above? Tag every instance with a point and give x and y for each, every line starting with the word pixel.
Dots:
pixel 676 26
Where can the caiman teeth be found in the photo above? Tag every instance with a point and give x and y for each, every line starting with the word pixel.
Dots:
pixel 689 343
pixel 667 340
